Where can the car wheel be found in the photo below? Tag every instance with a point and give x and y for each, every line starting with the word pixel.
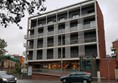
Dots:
pixel 1 81
pixel 84 81
pixel 64 81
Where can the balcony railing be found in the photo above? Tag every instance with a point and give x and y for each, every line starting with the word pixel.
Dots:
pixel 30 58
pixel 25 36
pixel 61 31
pixel 90 53
pixel 24 53
pixel 62 20
pixel 63 43
pixel 30 36
pixel 30 47
pixel 51 22
pixel 73 41
pixel 90 39
pixel 91 25
pixel 40 46
pixel 86 14
pixel 75 16
pixel 50 44
pixel 50 32
pixel 73 28
pixel 25 44
pixel 40 34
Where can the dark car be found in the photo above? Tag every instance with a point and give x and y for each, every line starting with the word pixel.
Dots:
pixel 5 78
pixel 81 77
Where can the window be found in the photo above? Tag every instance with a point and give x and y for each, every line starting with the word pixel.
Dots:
pixel 74 23
pixel 74 52
pixel 50 42
pixel 50 54
pixel 50 28
pixel 39 54
pixel 59 52
pixel 61 26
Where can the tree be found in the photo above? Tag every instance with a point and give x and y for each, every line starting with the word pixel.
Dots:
pixel 12 11
pixel 3 44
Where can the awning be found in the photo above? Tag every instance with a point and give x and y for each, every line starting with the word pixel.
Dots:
pixel 9 57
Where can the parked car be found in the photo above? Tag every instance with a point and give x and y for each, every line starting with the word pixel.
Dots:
pixel 81 77
pixel 6 78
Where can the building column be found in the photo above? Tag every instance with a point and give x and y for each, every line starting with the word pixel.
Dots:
pixel 35 49
pixel 67 27
pixel 44 54
pixel 55 53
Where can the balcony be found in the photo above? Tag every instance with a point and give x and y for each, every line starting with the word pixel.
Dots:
pixel 50 44
pixel 41 21
pixel 25 45
pixel 51 22
pixel 40 46
pixel 25 36
pixel 62 20
pixel 75 16
pixel 40 34
pixel 30 47
pixel 33 23
pixel 30 36
pixel 59 43
pixel 74 41
pixel 87 10
pixel 61 31
pixel 29 57
pixel 91 50
pixel 51 33
pixel 91 25
pixel 50 54
pixel 93 39
pixel 40 25
pixel 73 28
pixel 24 53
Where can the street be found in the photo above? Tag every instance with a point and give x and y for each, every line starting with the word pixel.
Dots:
pixel 47 81
pixel 37 81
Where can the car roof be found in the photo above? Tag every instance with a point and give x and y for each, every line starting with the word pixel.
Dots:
pixel 81 73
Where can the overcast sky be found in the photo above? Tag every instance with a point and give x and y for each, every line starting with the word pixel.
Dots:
pixel 15 37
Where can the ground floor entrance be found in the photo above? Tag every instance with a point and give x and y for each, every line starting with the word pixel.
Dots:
pixel 65 67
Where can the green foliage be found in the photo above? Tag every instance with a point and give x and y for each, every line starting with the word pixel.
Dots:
pixel 11 11
pixel 3 44
pixel 17 68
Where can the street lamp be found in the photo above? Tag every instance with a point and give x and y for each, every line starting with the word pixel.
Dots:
pixel 61 54
pixel 108 62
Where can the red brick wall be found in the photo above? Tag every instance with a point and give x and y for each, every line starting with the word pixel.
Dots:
pixel 115 45
pixel 44 77
pixel 101 34
pixel 104 71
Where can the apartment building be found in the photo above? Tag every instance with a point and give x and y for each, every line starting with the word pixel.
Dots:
pixel 59 38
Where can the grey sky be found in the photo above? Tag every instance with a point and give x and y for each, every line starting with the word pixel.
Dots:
pixel 15 37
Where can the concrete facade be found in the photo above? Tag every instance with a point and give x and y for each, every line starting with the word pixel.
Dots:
pixel 66 34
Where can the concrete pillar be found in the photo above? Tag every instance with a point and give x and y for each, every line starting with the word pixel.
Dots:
pixel 98 76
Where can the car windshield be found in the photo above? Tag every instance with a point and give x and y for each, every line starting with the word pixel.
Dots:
pixel 3 74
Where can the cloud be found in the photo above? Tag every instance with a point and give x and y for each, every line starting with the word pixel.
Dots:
pixel 15 37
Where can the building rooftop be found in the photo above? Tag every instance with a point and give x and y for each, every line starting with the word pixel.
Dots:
pixel 62 8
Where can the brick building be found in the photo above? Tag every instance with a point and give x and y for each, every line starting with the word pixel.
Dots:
pixel 115 48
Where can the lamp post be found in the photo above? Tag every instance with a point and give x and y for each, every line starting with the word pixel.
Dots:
pixel 108 62
pixel 61 54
